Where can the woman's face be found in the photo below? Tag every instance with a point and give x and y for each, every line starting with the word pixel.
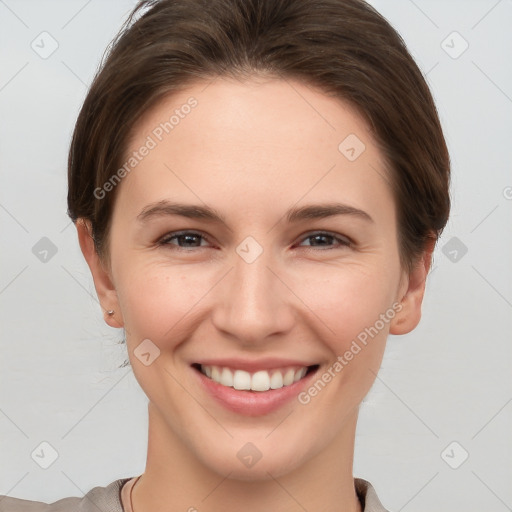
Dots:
pixel 282 253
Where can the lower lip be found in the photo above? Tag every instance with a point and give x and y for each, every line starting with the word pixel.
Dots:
pixel 253 403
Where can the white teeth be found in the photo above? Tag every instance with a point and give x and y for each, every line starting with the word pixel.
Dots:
pixel 226 377
pixel 259 381
pixel 241 379
pixel 300 374
pixel 276 381
pixel 288 377
pixel 215 373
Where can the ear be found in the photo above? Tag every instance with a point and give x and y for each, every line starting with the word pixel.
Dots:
pixel 102 280
pixel 411 293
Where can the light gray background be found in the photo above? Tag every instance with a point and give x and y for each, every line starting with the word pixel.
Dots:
pixel 449 380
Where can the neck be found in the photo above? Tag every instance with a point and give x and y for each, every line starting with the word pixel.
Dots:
pixel 174 479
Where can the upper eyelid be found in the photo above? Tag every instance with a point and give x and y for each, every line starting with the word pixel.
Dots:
pixel 302 237
pixel 343 240
pixel 338 236
pixel 173 234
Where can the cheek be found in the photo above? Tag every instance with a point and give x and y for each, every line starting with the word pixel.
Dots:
pixel 347 301
pixel 355 309
pixel 156 299
pixel 339 303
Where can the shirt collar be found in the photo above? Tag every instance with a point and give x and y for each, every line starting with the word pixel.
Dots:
pixel 112 497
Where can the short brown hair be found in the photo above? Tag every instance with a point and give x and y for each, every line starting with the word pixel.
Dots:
pixel 343 47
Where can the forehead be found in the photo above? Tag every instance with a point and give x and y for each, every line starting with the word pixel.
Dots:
pixel 252 112
pixel 275 137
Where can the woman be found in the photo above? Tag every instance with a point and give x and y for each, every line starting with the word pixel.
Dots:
pixel 257 186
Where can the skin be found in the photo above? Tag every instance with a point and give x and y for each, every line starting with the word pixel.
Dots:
pixel 251 150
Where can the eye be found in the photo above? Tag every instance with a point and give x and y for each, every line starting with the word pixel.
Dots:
pixel 191 239
pixel 183 239
pixel 325 239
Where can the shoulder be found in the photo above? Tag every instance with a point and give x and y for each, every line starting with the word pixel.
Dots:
pixel 98 499
pixel 368 496
pixel 108 499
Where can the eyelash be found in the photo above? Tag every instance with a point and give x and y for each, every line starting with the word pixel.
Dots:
pixel 165 240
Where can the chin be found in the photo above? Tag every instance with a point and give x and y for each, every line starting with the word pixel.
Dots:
pixel 267 467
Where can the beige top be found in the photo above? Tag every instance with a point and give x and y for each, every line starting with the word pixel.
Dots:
pixel 116 498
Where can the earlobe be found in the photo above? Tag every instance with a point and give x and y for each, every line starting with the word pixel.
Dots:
pixel 105 289
pixel 409 314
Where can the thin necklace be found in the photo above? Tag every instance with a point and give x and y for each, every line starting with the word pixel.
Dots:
pixel 131 490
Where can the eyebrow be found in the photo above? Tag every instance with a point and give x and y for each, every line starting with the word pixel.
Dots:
pixel 293 215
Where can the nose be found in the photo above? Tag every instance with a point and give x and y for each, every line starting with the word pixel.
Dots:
pixel 254 301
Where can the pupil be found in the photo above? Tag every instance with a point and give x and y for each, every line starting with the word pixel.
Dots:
pixel 319 237
pixel 188 238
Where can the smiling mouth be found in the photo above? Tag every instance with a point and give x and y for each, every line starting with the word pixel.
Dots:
pixel 262 380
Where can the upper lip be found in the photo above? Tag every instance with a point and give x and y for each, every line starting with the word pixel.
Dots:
pixel 268 363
